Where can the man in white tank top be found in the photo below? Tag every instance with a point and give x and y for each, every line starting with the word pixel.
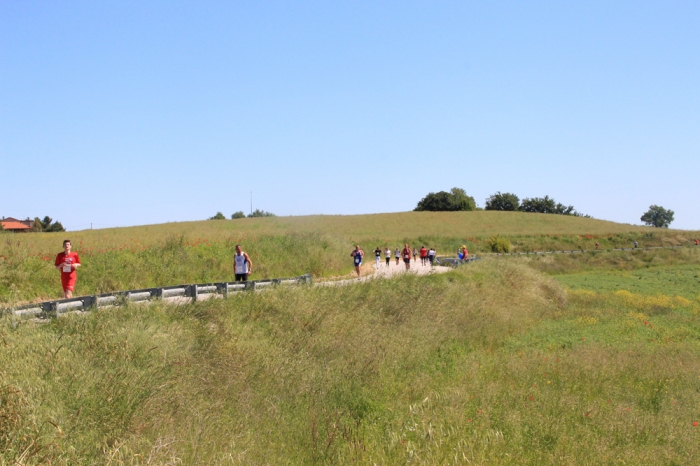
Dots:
pixel 242 265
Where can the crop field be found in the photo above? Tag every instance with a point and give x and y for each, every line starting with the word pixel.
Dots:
pixel 198 252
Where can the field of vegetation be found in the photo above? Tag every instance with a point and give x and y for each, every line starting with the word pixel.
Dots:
pixel 494 363
pixel 589 358
pixel 198 252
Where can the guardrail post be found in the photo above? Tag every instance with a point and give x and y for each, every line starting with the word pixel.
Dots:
pixel 250 286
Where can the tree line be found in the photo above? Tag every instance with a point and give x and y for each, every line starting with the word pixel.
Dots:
pixel 240 214
pixel 457 199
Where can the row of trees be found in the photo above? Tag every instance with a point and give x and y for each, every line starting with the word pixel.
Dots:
pixel 458 200
pixel 240 214
pixel 541 205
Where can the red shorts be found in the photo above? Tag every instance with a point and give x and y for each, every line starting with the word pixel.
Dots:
pixel 68 281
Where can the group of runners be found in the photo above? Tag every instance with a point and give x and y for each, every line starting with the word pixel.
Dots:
pixel 427 256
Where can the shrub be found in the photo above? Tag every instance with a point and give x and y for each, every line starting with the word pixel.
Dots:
pixel 238 214
pixel 261 213
pixel 504 201
pixel 499 244
pixel 218 216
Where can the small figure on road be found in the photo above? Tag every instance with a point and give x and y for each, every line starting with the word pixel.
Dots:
pixel 67 262
pixel 378 256
pixel 397 254
pixel 636 245
pixel 697 242
pixel 465 253
pixel 415 254
pixel 387 253
pixel 357 256
pixel 406 253
pixel 597 246
pixel 431 256
pixel 242 265
pixel 423 255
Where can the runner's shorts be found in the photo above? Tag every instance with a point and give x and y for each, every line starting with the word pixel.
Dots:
pixel 241 277
pixel 68 281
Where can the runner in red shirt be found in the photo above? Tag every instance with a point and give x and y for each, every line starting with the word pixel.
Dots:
pixel 423 255
pixel 406 254
pixel 67 262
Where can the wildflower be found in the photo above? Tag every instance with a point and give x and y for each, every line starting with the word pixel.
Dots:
pixel 695 423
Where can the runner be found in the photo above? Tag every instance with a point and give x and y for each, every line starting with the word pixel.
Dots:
pixel 242 265
pixel 423 255
pixel 67 262
pixel 406 253
pixel 465 253
pixel 387 253
pixel 597 245
pixel 636 245
pixel 397 253
pixel 697 242
pixel 415 254
pixel 378 256
pixel 357 256
pixel 431 256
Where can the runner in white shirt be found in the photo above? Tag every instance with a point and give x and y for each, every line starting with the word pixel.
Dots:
pixel 387 253
pixel 397 254
pixel 242 264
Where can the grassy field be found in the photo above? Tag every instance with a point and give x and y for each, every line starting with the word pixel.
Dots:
pixel 188 252
pixel 495 363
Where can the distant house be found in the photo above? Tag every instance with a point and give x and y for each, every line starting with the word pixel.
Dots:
pixel 17 226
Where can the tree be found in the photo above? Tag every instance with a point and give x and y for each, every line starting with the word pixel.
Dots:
pixel 456 200
pixel 261 213
pixel 238 214
pixel 48 225
pixel 504 201
pixel 658 217
pixel 218 216
pixel 547 205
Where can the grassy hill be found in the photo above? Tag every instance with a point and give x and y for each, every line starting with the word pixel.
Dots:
pixel 494 363
pixel 559 359
pixel 186 252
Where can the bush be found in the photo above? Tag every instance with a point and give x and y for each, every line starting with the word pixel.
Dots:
pixel 505 201
pixel 238 214
pixel 499 244
pixel 547 205
pixel 261 213
pixel 218 216
pixel 47 225
pixel 456 200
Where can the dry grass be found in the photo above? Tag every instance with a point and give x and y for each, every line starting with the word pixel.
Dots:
pixel 490 364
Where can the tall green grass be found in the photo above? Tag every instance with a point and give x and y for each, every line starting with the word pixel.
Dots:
pixel 174 253
pixel 490 364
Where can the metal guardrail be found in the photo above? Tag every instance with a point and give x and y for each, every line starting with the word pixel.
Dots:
pixel 454 261
pixel 55 308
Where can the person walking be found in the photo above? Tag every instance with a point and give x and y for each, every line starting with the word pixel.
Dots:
pixel 387 253
pixel 357 256
pixel 697 242
pixel 242 265
pixel 406 254
pixel 636 244
pixel 597 246
pixel 423 255
pixel 67 262
pixel 415 254
pixel 378 256
pixel 397 253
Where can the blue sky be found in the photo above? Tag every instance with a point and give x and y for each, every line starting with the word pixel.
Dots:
pixel 128 112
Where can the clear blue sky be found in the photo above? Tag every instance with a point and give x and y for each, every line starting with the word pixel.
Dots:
pixel 130 112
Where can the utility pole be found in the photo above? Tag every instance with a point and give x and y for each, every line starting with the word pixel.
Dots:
pixel 251 203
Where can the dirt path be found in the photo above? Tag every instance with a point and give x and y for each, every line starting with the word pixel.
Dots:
pixel 371 272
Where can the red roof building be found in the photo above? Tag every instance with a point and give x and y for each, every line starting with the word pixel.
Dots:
pixel 17 226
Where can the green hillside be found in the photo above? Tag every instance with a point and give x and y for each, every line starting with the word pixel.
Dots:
pixel 187 252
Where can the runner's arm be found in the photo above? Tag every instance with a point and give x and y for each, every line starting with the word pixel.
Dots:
pixel 250 263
